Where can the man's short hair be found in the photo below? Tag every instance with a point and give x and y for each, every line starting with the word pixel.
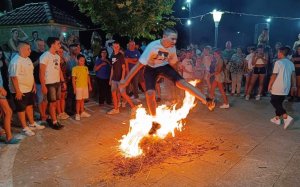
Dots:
pixel 80 56
pixel 21 44
pixel 285 50
pixel 51 40
pixel 39 40
pixel 116 42
pixel 73 45
pixel 169 31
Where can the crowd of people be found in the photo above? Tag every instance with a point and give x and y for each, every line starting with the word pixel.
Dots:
pixel 57 81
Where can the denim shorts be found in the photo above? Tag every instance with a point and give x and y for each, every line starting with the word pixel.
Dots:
pixel 54 91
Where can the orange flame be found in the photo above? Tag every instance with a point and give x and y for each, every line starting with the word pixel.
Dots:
pixel 169 118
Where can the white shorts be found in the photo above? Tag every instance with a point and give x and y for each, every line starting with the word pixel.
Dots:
pixel 82 93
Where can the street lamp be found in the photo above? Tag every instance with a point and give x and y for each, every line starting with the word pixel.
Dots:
pixel 217 15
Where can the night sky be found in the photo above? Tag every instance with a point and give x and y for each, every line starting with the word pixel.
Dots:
pixel 285 31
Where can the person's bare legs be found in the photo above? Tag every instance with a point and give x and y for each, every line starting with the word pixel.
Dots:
pixel 252 83
pixel 248 79
pixel 29 113
pixel 115 99
pixel 212 90
pixel 151 102
pixel 43 108
pixel 81 106
pixel 126 98
pixel 221 89
pixel 78 107
pixel 52 111
pixel 182 84
pixel 63 101
pixel 7 118
pixel 261 83
pixel 58 108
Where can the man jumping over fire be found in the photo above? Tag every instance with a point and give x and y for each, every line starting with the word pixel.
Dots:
pixel 160 57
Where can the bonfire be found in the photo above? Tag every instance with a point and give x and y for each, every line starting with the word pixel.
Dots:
pixel 170 118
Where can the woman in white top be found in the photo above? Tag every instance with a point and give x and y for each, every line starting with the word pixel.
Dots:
pixel 259 62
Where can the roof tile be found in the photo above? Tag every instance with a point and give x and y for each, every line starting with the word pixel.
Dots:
pixel 38 13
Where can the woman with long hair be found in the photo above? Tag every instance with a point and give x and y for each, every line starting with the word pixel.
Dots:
pixel 259 63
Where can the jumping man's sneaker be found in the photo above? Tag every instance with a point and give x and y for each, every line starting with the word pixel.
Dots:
pixel 154 128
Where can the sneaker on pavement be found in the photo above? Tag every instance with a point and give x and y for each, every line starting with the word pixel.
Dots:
pixel 85 115
pixel 257 98
pixel 287 122
pixel 276 120
pixel 119 104
pixel 77 117
pixel 28 132
pixel 36 126
pixel 225 106
pixel 247 97
pixel 113 111
pixel 63 116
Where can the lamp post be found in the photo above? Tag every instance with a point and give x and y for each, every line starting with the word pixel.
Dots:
pixel 217 15
pixel 189 22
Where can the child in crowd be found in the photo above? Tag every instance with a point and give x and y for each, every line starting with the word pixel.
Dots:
pixel 116 75
pixel 82 86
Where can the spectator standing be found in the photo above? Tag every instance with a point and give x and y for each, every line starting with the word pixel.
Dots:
pixel 51 78
pixel 61 104
pixel 40 97
pixel 132 56
pixel 102 69
pixel 82 85
pixel 236 68
pixel 22 87
pixel 219 79
pixel 7 113
pixel 117 74
pixel 259 71
pixel 282 80
pixel 15 39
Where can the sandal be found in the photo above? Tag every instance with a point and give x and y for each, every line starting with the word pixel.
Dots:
pixel 13 141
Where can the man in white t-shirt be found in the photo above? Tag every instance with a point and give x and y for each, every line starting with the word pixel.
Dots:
pixel 159 58
pixel 282 79
pixel 22 87
pixel 51 77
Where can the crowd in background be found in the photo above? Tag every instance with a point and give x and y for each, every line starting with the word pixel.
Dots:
pixel 54 77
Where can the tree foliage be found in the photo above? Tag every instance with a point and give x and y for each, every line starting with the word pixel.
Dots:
pixel 133 18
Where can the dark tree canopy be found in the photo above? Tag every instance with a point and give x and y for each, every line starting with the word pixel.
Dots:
pixel 133 18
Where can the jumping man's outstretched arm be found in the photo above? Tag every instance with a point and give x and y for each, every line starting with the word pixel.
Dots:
pixel 131 74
